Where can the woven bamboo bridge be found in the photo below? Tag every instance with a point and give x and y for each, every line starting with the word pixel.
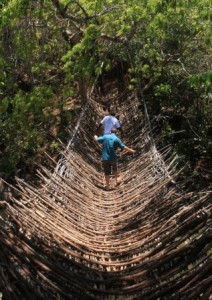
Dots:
pixel 68 238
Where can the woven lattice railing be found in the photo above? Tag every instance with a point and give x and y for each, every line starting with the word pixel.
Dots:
pixel 70 239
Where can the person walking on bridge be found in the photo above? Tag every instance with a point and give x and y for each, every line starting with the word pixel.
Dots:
pixel 110 121
pixel 110 143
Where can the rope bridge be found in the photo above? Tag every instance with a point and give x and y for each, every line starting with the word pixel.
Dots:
pixel 71 239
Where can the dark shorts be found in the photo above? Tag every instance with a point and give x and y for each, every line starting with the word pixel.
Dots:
pixel 109 166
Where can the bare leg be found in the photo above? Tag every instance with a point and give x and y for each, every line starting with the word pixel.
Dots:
pixel 116 174
pixel 118 177
pixel 107 181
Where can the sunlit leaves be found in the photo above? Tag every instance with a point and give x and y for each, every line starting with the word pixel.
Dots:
pixel 202 81
pixel 164 42
pixel 85 54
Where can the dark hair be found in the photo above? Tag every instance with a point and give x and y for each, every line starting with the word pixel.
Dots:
pixel 112 111
pixel 113 130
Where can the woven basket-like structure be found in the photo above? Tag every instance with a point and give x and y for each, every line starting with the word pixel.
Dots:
pixel 71 239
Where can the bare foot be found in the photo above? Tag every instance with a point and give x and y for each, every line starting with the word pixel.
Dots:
pixel 119 179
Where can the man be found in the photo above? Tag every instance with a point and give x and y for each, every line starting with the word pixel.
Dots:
pixel 110 122
pixel 109 158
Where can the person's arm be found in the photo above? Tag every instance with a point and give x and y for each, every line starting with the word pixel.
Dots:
pixel 99 139
pixel 129 149
pixel 118 126
pixel 120 129
pixel 101 124
pixel 123 147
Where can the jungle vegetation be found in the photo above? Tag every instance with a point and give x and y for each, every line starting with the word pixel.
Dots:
pixel 52 51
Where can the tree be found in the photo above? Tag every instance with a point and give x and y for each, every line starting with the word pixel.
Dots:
pixel 56 49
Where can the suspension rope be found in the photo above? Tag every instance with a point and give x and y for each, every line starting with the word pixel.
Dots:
pixel 141 92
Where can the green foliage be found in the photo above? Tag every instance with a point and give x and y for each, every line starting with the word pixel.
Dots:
pixel 21 136
pixel 46 50
pixel 85 53
pixel 202 82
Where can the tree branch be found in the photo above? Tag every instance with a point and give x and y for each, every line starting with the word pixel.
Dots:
pixel 63 12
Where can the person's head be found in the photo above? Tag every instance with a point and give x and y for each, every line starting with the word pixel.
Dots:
pixel 105 104
pixel 112 111
pixel 114 130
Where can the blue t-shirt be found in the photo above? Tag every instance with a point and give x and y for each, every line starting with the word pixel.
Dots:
pixel 110 143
